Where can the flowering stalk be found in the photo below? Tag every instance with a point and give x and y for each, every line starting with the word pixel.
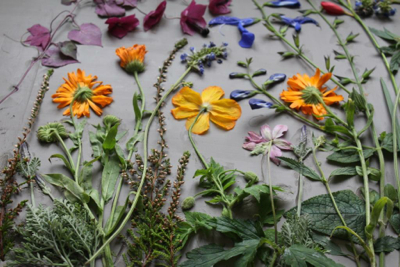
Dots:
pixel 145 156
pixel 298 51
pixel 368 115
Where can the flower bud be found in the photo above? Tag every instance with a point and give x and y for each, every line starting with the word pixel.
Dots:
pixel 225 213
pixel 242 94
pixel 332 8
pixel 251 177
pixel 188 203
pixel 234 75
pixel 110 120
pixel 49 133
pixel 259 103
pixel 260 72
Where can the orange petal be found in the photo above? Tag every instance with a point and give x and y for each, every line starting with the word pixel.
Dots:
pixel 183 113
pixel 102 100
pixel 95 108
pixel 226 107
pixel 225 122
pixel 103 90
pixel 187 98
pixel 324 78
pixel 202 125
pixel 211 94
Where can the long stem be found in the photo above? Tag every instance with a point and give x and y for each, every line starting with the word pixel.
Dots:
pixel 395 156
pixel 32 194
pixel 297 50
pixel 145 160
pixel 66 150
pixel 271 193
pixel 192 142
pixel 300 194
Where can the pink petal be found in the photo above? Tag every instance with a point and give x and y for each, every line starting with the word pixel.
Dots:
pixel 154 17
pixel 275 152
pixel 266 132
pixel 117 31
pixel 249 145
pixel 219 7
pixel 185 27
pixel 282 144
pixel 119 27
pixel 279 131
pixel 253 137
pixel 193 14
pixel 129 22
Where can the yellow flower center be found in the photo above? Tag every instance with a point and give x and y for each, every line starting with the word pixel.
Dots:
pixel 311 95
pixel 206 107
pixel 83 93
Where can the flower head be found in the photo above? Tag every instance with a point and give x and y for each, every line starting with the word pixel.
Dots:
pixel 154 17
pixel 297 22
pixel 85 91
pixel 205 56
pixel 132 58
pixel 222 112
pixel 271 141
pixel 119 27
pixel 51 132
pixel 219 7
pixel 192 19
pixel 306 93
pixel 284 3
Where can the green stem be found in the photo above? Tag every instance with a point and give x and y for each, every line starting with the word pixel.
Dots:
pixel 300 194
pixel 395 152
pixel 271 192
pixel 297 50
pixel 32 194
pixel 145 161
pixel 66 150
pixel 143 100
pixel 192 142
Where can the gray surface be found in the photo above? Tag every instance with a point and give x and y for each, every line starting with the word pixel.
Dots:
pixel 18 15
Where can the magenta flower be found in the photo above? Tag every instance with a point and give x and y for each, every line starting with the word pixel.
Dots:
pixel 219 7
pixel 192 19
pixel 119 27
pixel 154 17
pixel 258 144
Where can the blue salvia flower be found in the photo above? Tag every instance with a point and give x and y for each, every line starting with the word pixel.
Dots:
pixel 241 94
pixel 277 77
pixel 284 3
pixel 192 49
pixel 211 45
pixel 212 56
pixel 259 103
pixel 225 44
pixel 297 22
pixel 201 68
pixel 219 61
pixel 225 55
pixel 184 57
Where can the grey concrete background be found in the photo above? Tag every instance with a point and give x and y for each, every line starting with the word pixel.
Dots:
pixel 225 147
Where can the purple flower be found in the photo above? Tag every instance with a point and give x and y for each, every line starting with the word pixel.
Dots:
pixel 192 19
pixel 268 140
pixel 284 3
pixel 119 27
pixel 277 77
pixel 297 22
pixel 241 94
pixel 219 7
pixel 259 103
pixel 154 17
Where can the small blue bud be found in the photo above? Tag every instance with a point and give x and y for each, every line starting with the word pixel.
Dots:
pixel 277 77
pixel 234 75
pixel 240 94
pixel 192 49
pixel 225 55
pixel 219 61
pixel 224 44
pixel 201 70
pixel 212 56
pixel 211 45
pixel 259 103
pixel 184 57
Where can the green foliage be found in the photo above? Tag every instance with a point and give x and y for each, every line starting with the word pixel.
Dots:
pixel 393 49
pixel 387 244
pixel 62 236
pixel 301 256
pixel 347 156
pixel 301 168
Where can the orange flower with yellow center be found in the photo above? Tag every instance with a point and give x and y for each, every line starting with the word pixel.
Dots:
pixel 132 58
pixel 307 93
pixel 222 112
pixel 85 91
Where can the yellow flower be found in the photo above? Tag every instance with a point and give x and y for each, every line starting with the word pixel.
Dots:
pixel 222 112
pixel 132 58
pixel 306 92
pixel 87 93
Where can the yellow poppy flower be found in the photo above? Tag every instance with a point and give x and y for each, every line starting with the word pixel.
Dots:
pixel 132 58
pixel 305 92
pixel 87 93
pixel 222 112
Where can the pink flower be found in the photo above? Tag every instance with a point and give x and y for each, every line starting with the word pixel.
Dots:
pixel 119 27
pixel 192 19
pixel 260 143
pixel 219 7
pixel 154 17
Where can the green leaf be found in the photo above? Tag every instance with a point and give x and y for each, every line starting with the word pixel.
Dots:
pixel 120 135
pixel 68 184
pixel 209 255
pixel 97 146
pixel 345 171
pixel 242 229
pixel 66 162
pixel 85 177
pixel 95 196
pixel 390 106
pixel 296 40
pixel 339 55
pixel 323 217
pixel 115 218
pixel 327 244
pixel 395 222
pixel 68 49
pixel 194 222
pixel 110 141
pixel 337 22
pixel 121 156
pixel 376 211
pixel 255 190
pixel 349 155
pixel 327 63
pixel 301 168
pixel 351 37
pixel 373 173
pixel 386 35
pixel 387 244
pixel 367 73
pixel 330 127
pixel 286 55
pixel 301 256
pixel 369 121
pixel 391 192
pixel 109 177
pixel 387 141
pixel 130 145
pixel 395 62
pixel 350 110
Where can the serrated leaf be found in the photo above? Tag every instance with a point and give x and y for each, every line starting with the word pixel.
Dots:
pixel 327 244
pixel 349 155
pixel 395 222
pixel 243 229
pixel 345 171
pixel 390 192
pixel 301 168
pixel 301 256
pixel 387 244
pixel 255 191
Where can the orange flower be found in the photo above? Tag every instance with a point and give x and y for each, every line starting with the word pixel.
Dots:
pixel 222 112
pixel 306 92
pixel 86 91
pixel 132 58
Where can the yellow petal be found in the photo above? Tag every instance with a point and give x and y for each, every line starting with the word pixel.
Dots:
pixel 202 125
pixel 183 113
pixel 225 122
pixel 211 94
pixel 187 98
pixel 226 107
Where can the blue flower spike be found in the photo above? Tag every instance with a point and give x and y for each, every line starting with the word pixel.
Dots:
pixel 296 22
pixel 238 95
pixel 283 3
pixel 247 37
pixel 259 103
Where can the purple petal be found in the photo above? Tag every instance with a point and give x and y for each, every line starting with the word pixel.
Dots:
pixel 154 17
pixel 110 9
pixel 283 144
pixel 247 37
pixel 249 146
pixel 279 130
pixel 40 36
pixel 88 34
pixel 219 7
pixel 224 20
pixel 266 132
pixel 274 154
pixel 118 32
pixel 119 27
pixel 127 3
pixel 56 59
pixel 253 137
